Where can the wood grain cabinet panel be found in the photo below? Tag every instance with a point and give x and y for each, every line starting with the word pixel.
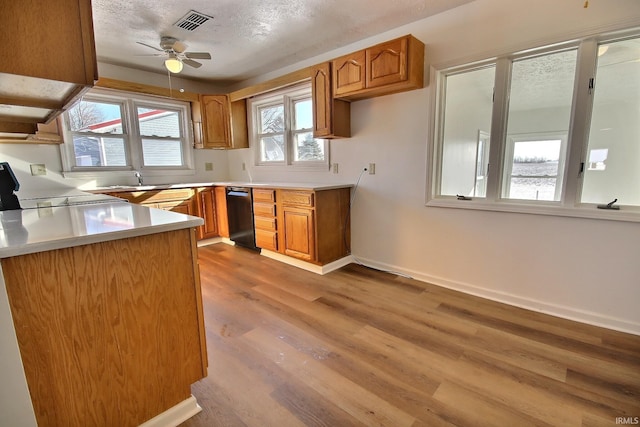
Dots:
pixel 389 67
pixel 111 333
pixel 314 225
pixel 224 123
pixel 57 64
pixel 387 63
pixel 349 73
pixel 264 218
pixel 221 208
pixel 299 233
pixel 206 204
pixel 331 117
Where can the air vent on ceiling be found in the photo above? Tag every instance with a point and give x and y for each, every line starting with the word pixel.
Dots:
pixel 192 20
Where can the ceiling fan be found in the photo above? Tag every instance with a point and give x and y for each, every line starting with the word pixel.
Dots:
pixel 174 50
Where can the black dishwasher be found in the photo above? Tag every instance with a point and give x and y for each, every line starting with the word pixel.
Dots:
pixel 240 217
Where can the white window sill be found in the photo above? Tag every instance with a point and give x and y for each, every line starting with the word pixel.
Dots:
pixel 587 211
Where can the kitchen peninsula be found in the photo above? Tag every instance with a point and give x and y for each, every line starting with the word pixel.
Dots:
pixel 106 307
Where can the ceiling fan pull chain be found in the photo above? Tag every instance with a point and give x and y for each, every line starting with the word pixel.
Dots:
pixel 170 89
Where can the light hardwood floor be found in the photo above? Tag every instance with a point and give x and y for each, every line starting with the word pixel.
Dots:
pixel 362 347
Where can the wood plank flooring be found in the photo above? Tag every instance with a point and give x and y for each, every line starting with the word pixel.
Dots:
pixel 359 347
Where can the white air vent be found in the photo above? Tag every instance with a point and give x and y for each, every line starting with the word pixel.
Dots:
pixel 192 20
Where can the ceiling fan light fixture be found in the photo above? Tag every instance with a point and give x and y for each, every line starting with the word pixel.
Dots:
pixel 174 65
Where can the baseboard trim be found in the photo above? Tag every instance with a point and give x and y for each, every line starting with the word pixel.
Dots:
pixel 318 269
pixel 564 312
pixel 175 415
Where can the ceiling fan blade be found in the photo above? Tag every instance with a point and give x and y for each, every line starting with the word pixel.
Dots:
pixel 192 63
pixel 152 47
pixel 198 55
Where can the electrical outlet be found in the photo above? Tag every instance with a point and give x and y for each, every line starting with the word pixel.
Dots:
pixel 244 166
pixel 335 168
pixel 38 169
pixel 208 166
pixel 372 168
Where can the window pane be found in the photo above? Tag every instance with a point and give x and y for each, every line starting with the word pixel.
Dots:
pixel 98 117
pixel 158 122
pixel 533 172
pixel 612 169
pixel 106 151
pixel 161 152
pixel 303 115
pixel 272 148
pixel 540 101
pixel 272 119
pixel 308 149
pixel 467 114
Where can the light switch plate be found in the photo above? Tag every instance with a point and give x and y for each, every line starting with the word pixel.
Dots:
pixel 208 166
pixel 38 169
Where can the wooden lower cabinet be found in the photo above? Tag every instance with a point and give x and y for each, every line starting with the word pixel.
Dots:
pixel 220 195
pixel 309 225
pixel 264 218
pixel 298 232
pixel 110 333
pixel 209 203
pixel 206 200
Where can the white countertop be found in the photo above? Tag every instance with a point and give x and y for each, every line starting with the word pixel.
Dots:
pixel 35 230
pixel 288 185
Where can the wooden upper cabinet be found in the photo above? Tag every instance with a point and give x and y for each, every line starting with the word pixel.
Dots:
pixel 216 121
pixel 56 64
pixel 349 73
pixel 390 67
pixel 331 117
pixel 224 123
pixel 387 63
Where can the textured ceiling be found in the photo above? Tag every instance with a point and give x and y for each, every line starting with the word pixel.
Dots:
pixel 250 37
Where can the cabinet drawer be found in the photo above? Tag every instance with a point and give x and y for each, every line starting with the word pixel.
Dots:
pixel 298 198
pixel 268 224
pixel 264 195
pixel 264 209
pixel 267 240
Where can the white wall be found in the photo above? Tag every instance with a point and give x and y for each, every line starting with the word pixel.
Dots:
pixel 577 268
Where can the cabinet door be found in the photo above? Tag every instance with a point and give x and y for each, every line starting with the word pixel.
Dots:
pixel 216 131
pixel 321 96
pixel 207 210
pixel 221 211
pixel 386 63
pixel 299 232
pixel 349 73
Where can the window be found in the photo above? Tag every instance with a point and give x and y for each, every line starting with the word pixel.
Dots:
pixel 541 131
pixel 115 131
pixel 282 124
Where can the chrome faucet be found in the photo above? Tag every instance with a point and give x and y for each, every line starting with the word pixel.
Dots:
pixel 139 176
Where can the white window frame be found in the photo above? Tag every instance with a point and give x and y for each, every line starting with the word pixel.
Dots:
pixel 286 97
pixel 133 140
pixel 575 154
pixel 512 140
